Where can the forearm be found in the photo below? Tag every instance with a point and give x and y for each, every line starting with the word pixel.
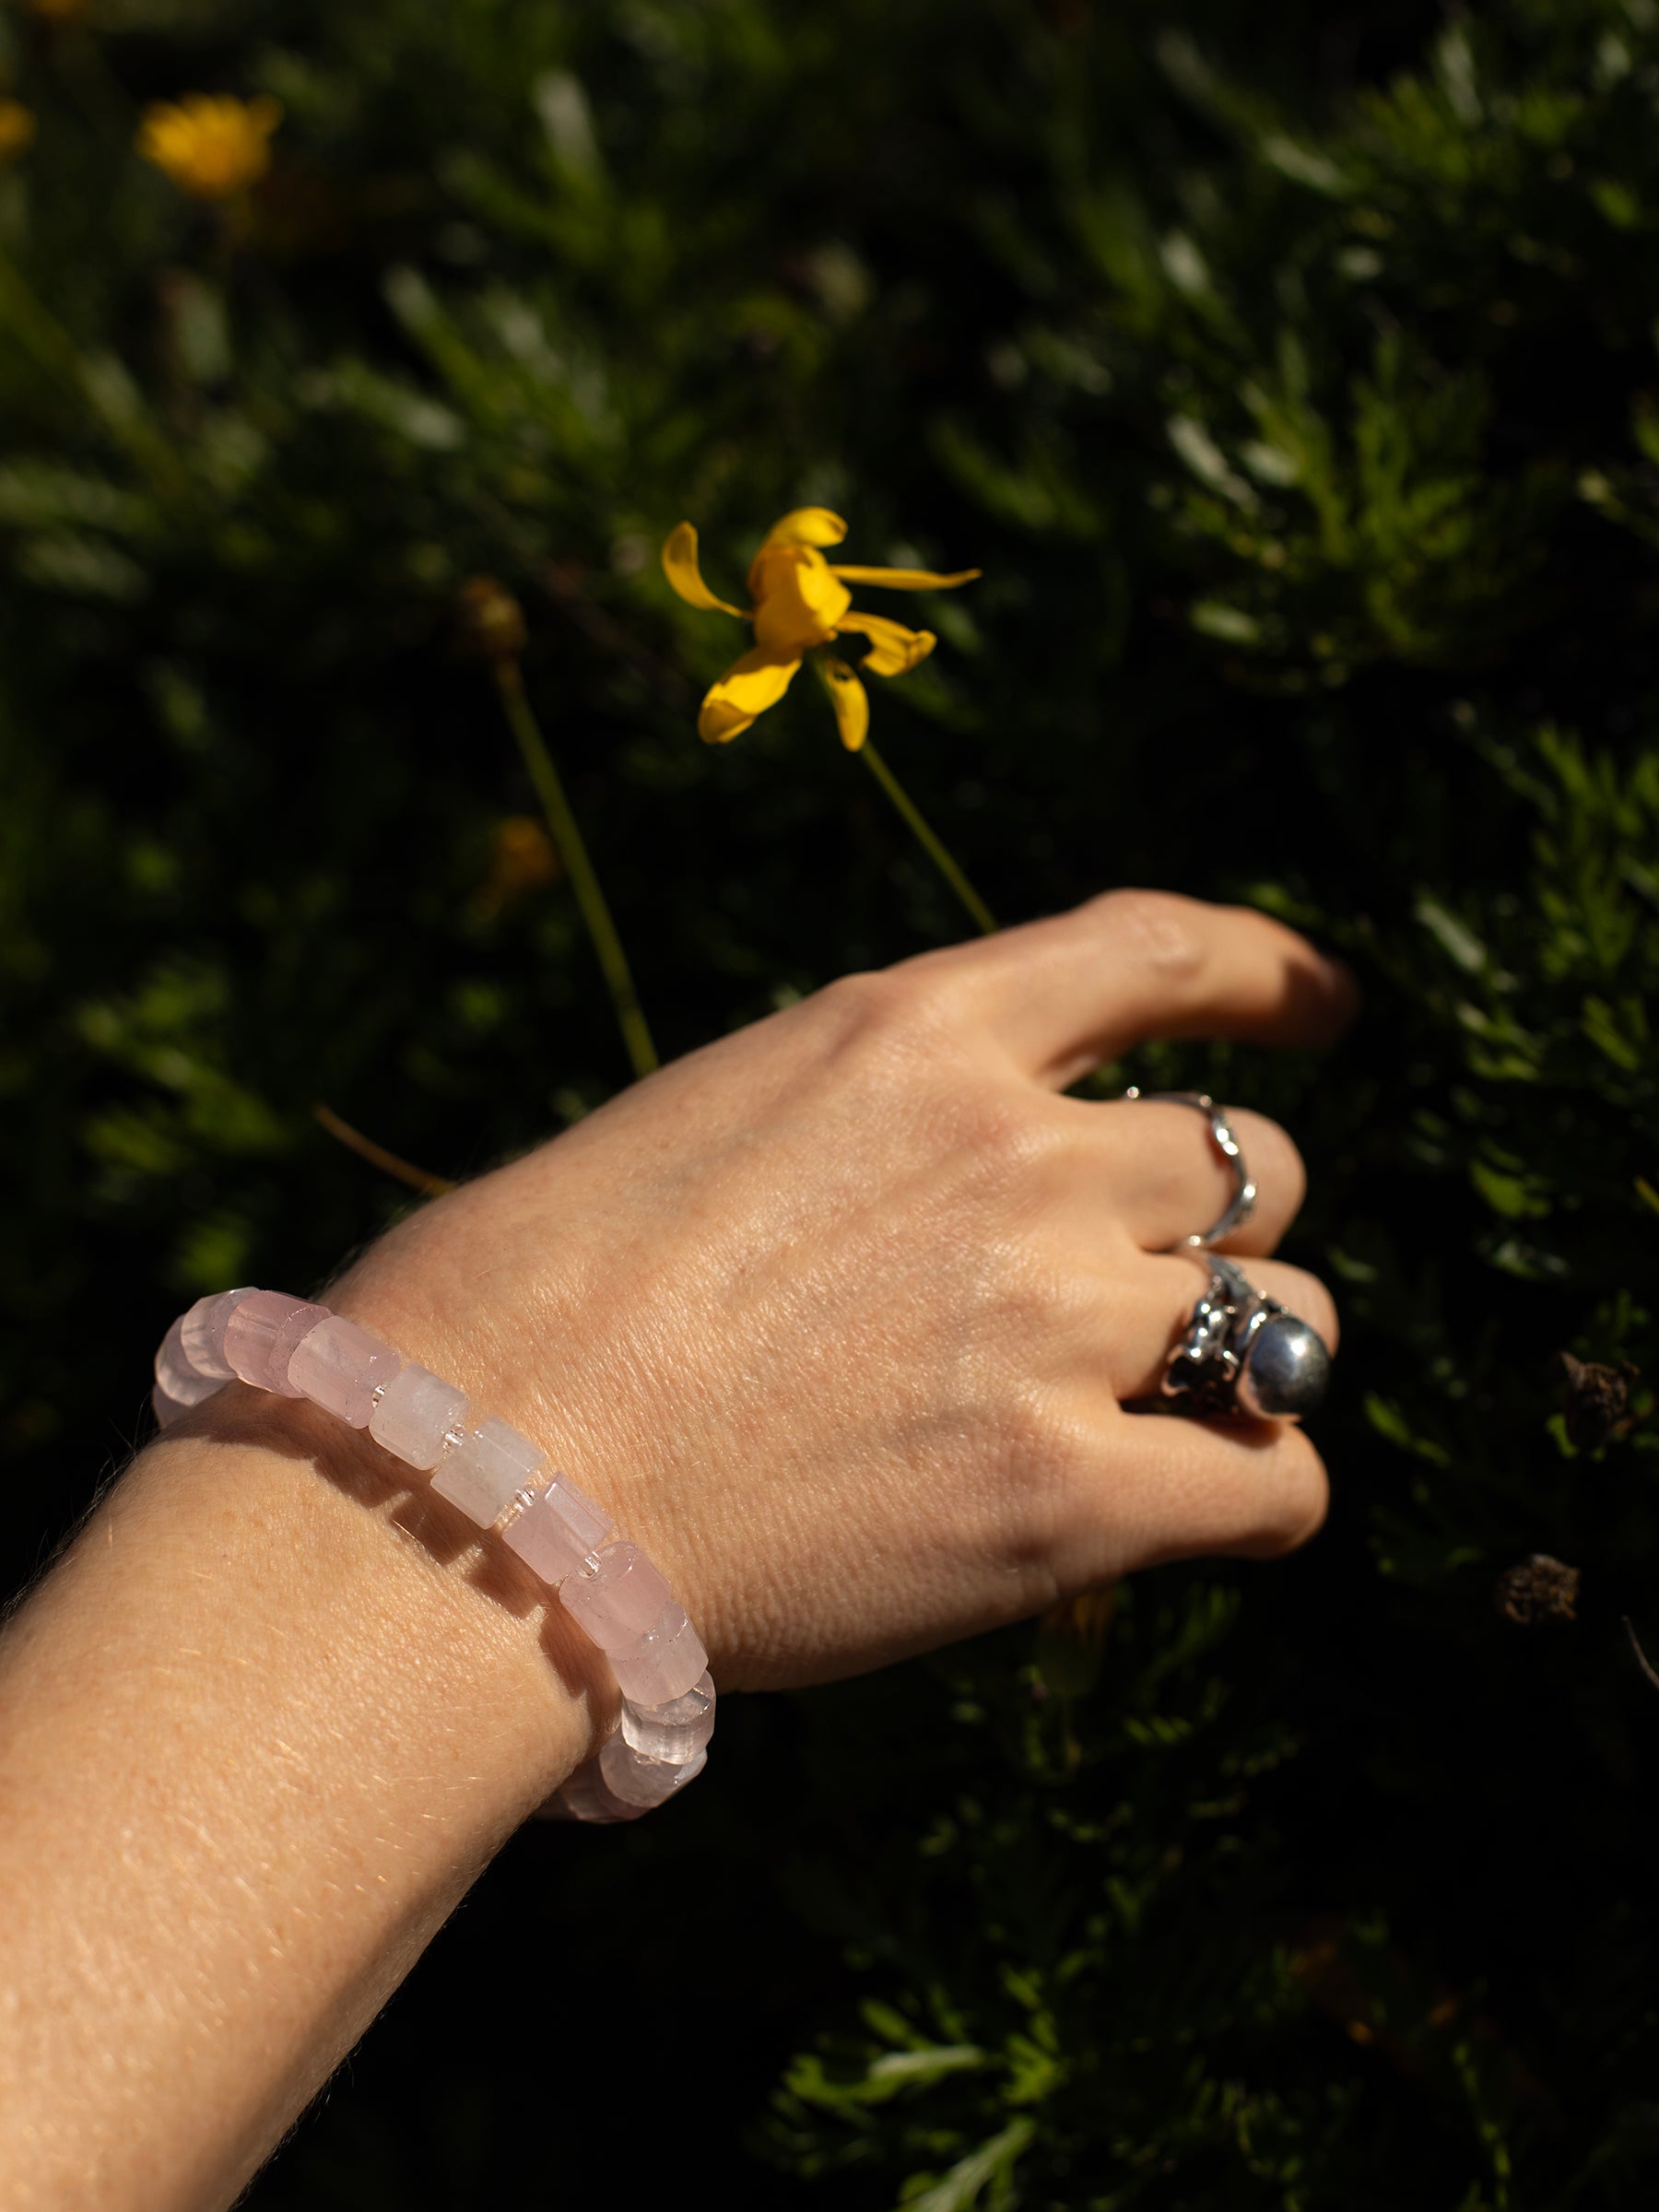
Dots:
pixel 259 1730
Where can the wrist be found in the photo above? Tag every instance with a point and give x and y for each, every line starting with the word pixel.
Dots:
pixel 346 1556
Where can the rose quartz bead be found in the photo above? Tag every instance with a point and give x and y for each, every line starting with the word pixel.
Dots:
pixel 176 1378
pixel 290 1335
pixel 415 1415
pixel 674 1732
pixel 559 1528
pixel 168 1409
pixel 636 1779
pixel 340 1366
pixel 483 1471
pixel 586 1797
pixel 662 1665
pixel 252 1330
pixel 618 1599
pixel 202 1333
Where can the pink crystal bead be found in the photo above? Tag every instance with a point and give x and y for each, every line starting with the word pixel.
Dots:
pixel 166 1409
pixel 586 1797
pixel 662 1665
pixel 340 1366
pixel 253 1331
pixel 617 1599
pixel 416 1414
pixel 559 1528
pixel 290 1335
pixel 483 1472
pixel 636 1780
pixel 176 1378
pixel 202 1333
pixel 674 1732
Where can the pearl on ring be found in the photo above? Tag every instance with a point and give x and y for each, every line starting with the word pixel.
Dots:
pixel 1285 1369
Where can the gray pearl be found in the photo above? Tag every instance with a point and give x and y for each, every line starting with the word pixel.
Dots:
pixel 1286 1369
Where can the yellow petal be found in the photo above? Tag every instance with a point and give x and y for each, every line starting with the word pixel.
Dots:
pixel 679 565
pixel 749 685
pixel 806 526
pixel 797 601
pixel 850 699
pixel 894 651
pixel 906 580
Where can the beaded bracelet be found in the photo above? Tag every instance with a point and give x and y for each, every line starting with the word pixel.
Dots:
pixel 609 1588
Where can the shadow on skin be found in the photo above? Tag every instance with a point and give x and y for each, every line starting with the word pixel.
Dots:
pixel 372 1478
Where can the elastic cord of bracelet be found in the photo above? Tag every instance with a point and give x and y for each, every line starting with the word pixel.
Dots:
pixel 500 1480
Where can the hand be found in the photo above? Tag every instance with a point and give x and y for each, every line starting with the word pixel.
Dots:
pixel 840 1316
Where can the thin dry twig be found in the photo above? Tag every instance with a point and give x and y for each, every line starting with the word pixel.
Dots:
pixel 417 1179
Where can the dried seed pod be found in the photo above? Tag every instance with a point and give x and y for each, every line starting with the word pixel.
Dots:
pixel 492 621
pixel 1071 1642
pixel 1597 1400
pixel 1537 1590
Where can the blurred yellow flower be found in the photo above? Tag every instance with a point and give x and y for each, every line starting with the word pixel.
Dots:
pixel 16 130
pixel 798 604
pixel 211 146
pixel 58 11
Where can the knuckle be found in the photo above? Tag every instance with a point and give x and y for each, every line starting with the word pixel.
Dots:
pixel 873 999
pixel 1155 928
pixel 1030 1302
pixel 1004 1135
pixel 878 1025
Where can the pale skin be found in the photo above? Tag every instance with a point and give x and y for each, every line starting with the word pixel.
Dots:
pixel 840 1316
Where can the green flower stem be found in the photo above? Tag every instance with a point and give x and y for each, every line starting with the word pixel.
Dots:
pixel 572 851
pixel 930 842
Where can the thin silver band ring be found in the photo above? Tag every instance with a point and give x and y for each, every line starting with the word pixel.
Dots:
pixel 1243 1200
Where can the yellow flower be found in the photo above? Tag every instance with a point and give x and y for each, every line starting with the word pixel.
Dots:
pixel 16 130
pixel 211 146
pixel 58 11
pixel 798 604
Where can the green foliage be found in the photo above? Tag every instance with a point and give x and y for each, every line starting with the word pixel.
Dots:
pixel 1291 376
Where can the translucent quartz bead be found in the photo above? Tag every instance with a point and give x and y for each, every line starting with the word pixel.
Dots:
pixel 586 1797
pixel 176 1378
pixel 557 1530
pixel 483 1471
pixel 676 1731
pixel 340 1366
pixel 644 1781
pixel 416 1414
pixel 251 1333
pixel 168 1409
pixel 664 1664
pixel 202 1333
pixel 618 1599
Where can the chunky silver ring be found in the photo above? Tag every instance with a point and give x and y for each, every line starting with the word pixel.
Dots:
pixel 1227 1144
pixel 1243 1353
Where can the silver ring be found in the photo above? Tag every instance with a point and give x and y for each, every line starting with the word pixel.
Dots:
pixel 1244 1191
pixel 1242 1352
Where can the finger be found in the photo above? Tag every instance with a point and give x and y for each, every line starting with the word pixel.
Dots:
pixel 1154 1299
pixel 1068 994
pixel 1168 1179
pixel 1249 1489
